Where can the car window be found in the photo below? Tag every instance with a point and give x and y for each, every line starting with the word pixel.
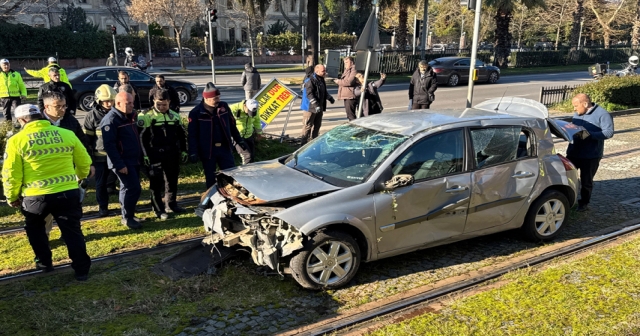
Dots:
pixel 138 76
pixel 104 76
pixel 525 145
pixel 495 145
pixel 479 63
pixel 435 156
pixel 465 62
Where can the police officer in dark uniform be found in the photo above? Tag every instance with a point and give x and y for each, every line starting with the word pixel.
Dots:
pixel 122 143
pixel 164 144
pixel 56 85
pixel 211 131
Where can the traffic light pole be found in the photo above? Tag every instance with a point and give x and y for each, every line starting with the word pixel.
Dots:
pixel 115 50
pixel 212 54
pixel 474 52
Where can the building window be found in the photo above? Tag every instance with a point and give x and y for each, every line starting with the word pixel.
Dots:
pixel 166 31
pixel 232 34
pixel 276 5
pixel 293 6
pixel 134 29
pixel 245 35
pixel 230 4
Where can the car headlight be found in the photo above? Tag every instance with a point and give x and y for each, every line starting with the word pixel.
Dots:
pixel 498 70
pixel 193 86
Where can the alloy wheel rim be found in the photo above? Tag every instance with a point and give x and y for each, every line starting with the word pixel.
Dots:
pixel 183 97
pixel 88 101
pixel 494 77
pixel 453 80
pixel 329 263
pixel 550 217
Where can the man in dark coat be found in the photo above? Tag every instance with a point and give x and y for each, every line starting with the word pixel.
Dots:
pixel 314 103
pixel 422 87
pixel 56 85
pixel 372 103
pixel 174 104
pixel 211 133
pixel 250 81
pixel 123 79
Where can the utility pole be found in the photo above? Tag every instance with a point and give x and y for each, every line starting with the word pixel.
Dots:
pixel 212 14
pixel 149 44
pixel 319 23
pixel 474 52
pixel 115 50
pixel 253 63
pixel 580 34
pixel 425 25
pixel 415 30
pixel 304 46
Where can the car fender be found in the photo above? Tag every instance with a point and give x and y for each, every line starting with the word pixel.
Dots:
pixel 319 223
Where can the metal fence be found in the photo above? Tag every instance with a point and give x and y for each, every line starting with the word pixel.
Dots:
pixel 556 94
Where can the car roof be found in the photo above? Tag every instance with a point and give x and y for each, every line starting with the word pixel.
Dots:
pixel 109 68
pixel 413 122
pixel 450 58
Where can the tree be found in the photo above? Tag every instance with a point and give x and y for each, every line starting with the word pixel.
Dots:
pixel 577 15
pixel 277 28
pixel 555 15
pixel 75 19
pixel 312 29
pixel 609 15
pixel 175 13
pixel 118 11
pixel 9 9
pixel 635 34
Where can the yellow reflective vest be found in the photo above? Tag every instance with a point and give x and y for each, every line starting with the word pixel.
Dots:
pixel 40 160
pixel 11 84
pixel 44 73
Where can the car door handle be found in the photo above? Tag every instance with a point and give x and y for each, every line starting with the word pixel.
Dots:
pixel 522 174
pixel 455 189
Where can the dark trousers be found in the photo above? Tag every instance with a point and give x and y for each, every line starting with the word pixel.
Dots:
pixel 416 106
pixel 249 154
pixel 163 179
pixel 112 179
pixel 9 103
pixel 102 174
pixel 351 106
pixel 221 157
pixel 588 169
pixel 129 190
pixel 66 209
pixel 311 123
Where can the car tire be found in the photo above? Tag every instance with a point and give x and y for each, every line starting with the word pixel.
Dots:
pixel 453 80
pixel 546 216
pixel 86 101
pixel 334 272
pixel 493 77
pixel 184 96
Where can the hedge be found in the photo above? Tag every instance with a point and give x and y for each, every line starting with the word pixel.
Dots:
pixel 611 92
pixel 290 39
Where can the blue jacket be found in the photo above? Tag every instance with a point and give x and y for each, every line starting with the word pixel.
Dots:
pixel 206 129
pixel 599 123
pixel 304 105
pixel 120 139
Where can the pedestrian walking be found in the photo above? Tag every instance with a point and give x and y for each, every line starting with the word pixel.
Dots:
pixel 42 165
pixel 422 87
pixel 250 81
pixel 123 80
pixel 371 103
pixel 57 85
pixel 249 126
pixel 44 72
pixel 105 97
pixel 586 152
pixel 161 84
pixel 111 61
pixel 212 132
pixel 314 103
pixel 12 88
pixel 164 145
pixel 346 88
pixel 122 144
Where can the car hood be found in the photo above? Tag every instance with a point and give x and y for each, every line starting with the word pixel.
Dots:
pixel 268 182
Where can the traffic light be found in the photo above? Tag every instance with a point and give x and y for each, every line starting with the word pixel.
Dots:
pixel 471 4
pixel 213 15
pixel 113 30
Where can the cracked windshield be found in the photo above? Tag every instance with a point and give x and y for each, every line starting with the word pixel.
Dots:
pixel 346 155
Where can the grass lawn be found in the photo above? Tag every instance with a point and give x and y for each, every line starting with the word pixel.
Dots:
pixel 596 295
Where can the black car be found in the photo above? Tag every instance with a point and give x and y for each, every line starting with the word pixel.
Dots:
pixel 454 70
pixel 86 81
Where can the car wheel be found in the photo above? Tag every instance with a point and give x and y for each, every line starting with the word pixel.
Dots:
pixel 184 96
pixel 546 216
pixel 493 77
pixel 86 101
pixel 453 80
pixel 329 260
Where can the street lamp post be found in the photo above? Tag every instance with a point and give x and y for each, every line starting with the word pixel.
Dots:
pixel 149 44
pixel 212 54
pixel 319 24
pixel 474 52
pixel 580 34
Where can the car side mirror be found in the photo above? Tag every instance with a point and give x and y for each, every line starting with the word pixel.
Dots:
pixel 399 181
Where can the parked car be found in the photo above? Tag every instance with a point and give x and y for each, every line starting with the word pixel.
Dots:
pixel 455 70
pixel 86 81
pixel 393 183
pixel 439 47
pixel 173 52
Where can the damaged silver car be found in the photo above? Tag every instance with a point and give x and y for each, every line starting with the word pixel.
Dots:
pixel 393 183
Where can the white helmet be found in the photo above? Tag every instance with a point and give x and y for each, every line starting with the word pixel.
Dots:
pixel 633 60
pixel 128 50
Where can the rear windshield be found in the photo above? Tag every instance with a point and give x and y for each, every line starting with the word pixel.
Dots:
pixel 78 73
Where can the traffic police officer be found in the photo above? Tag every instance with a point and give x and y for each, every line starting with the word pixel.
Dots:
pixel 105 99
pixel 44 72
pixel 164 142
pixel 211 131
pixel 12 88
pixel 248 123
pixel 41 166
pixel 56 85
pixel 122 143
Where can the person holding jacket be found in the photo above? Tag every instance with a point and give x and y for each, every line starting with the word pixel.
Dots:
pixel 56 85
pixel 212 132
pixel 250 81
pixel 105 99
pixel 372 103
pixel 122 144
pixel 164 145
pixel 42 165
pixel 12 89
pixel 346 88
pixel 249 126
pixel 314 103
pixel 422 87
pixel 44 72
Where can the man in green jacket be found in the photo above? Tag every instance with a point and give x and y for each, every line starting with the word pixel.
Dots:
pixel 12 89
pixel 248 124
pixel 44 72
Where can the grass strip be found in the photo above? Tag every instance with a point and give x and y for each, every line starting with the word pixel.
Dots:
pixel 595 295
